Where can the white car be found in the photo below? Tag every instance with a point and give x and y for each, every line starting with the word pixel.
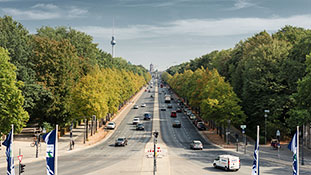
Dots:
pixel 111 125
pixel 227 162
pixel 143 105
pixel 196 144
pixel 136 120
pixel 135 106
pixel 188 113
pixel 192 117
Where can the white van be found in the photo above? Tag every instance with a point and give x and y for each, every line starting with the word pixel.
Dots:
pixel 228 162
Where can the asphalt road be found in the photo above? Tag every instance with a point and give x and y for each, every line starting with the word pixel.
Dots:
pixel 183 160
pixel 105 158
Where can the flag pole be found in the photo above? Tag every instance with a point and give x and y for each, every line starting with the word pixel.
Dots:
pixel 297 150
pixel 56 151
pixel 257 162
pixel 12 158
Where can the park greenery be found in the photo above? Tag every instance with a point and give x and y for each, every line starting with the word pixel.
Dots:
pixel 58 75
pixel 266 71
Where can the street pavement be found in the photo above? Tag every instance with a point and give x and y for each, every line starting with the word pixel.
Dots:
pixel 174 156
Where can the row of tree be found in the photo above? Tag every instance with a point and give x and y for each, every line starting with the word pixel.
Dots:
pixel 207 91
pixel 50 66
pixel 267 72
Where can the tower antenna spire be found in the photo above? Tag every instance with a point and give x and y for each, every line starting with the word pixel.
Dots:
pixel 113 41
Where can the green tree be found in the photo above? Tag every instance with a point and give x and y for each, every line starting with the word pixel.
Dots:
pixel 11 99
pixel 16 39
pixel 56 65
pixel 86 50
pixel 301 114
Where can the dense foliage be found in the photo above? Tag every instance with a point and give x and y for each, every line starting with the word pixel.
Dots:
pixel 65 76
pixel 11 99
pixel 266 72
pixel 207 90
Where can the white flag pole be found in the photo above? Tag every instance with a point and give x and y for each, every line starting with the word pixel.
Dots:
pixel 297 154
pixel 56 151
pixel 257 161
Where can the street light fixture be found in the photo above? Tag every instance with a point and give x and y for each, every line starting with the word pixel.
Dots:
pixel 228 131
pixel 266 115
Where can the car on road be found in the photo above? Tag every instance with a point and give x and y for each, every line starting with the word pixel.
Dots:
pixel 147 116
pixel 188 113
pixel 163 108
pixel 111 125
pixel 169 106
pixel 135 106
pixel 143 105
pixel 196 144
pixel 173 114
pixel 192 117
pixel 196 121
pixel 227 162
pixel 178 110
pixel 201 126
pixel 140 126
pixel 176 124
pixel 136 120
pixel 121 141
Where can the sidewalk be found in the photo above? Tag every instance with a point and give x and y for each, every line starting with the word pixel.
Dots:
pixel 282 156
pixel 29 153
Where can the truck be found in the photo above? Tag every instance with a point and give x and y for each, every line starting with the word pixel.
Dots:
pixel 167 99
pixel 227 162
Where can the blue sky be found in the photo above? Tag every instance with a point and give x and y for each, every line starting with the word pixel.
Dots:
pixel 164 32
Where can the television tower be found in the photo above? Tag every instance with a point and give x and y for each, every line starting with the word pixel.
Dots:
pixel 113 42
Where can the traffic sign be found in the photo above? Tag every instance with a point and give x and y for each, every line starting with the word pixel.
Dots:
pixel 267 111
pixel 20 157
pixel 243 126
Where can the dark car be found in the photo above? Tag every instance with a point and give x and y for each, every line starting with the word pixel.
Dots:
pixel 178 110
pixel 121 141
pixel 201 126
pixel 173 114
pixel 176 124
pixel 147 116
pixel 140 126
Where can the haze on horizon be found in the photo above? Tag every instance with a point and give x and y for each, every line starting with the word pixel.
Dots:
pixel 162 32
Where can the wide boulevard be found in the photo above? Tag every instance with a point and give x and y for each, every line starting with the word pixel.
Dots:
pixel 174 157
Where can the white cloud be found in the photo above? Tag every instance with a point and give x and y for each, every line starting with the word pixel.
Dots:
pixel 239 4
pixel 45 6
pixel 45 12
pixel 201 27
pixel 30 14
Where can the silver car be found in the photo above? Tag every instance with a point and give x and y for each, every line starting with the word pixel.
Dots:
pixel 136 121
pixel 196 144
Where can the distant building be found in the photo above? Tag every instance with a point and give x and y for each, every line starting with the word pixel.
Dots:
pixel 151 68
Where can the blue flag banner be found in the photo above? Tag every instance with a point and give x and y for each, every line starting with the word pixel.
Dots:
pixel 293 147
pixel 49 139
pixel 255 169
pixel 9 154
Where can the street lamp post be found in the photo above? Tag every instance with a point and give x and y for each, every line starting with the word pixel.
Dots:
pixel 302 159
pixel 266 115
pixel 71 139
pixel 155 133
pixel 228 132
